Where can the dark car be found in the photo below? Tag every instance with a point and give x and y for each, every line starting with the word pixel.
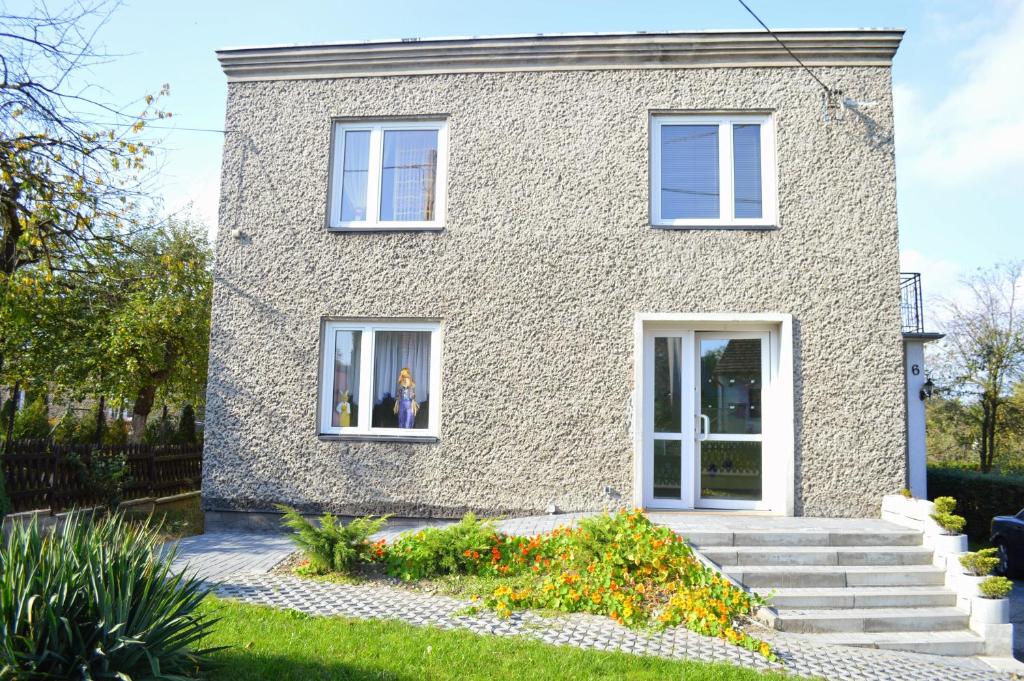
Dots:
pixel 1008 538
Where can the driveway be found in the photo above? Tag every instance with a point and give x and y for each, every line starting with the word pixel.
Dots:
pixel 1017 617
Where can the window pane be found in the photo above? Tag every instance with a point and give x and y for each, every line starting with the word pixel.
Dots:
pixel 355 170
pixel 401 379
pixel 746 159
pixel 408 175
pixel 668 393
pixel 730 387
pixel 668 469
pixel 689 171
pixel 730 470
pixel 345 406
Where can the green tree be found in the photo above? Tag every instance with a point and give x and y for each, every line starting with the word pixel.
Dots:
pixel 65 179
pixel 187 425
pixel 157 337
pixel 982 357
pixel 32 421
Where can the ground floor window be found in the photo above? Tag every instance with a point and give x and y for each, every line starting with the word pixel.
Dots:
pixel 380 378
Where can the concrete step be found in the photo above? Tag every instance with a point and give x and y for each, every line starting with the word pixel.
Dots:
pixel 860 597
pixel 756 576
pixel 819 555
pixel 871 620
pixel 713 538
pixel 951 643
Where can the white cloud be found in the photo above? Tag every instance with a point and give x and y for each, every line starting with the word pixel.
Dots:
pixel 977 129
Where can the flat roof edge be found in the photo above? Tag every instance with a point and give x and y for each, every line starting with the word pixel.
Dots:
pixel 691 49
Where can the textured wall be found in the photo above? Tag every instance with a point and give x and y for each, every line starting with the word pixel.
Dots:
pixel 546 258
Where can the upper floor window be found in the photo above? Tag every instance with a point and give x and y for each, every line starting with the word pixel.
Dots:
pixel 389 175
pixel 713 171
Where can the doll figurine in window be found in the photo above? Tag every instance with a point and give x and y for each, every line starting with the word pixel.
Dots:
pixel 405 400
pixel 344 410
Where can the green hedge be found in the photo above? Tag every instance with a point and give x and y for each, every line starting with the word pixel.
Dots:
pixel 980 496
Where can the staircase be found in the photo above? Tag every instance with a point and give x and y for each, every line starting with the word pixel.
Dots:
pixel 874 589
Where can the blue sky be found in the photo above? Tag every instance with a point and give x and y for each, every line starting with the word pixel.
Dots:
pixel 958 75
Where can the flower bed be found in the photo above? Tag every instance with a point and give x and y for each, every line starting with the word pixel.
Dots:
pixel 618 565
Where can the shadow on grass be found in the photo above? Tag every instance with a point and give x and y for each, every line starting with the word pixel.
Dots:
pixel 242 664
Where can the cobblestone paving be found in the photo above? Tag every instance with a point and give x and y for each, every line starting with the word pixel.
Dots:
pixel 237 564
pixel 372 601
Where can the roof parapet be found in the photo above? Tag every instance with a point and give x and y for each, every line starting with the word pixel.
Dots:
pixel 570 52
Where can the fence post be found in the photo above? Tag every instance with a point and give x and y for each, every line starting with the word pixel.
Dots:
pixel 152 472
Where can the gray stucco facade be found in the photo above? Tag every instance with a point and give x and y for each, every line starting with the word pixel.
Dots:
pixel 546 258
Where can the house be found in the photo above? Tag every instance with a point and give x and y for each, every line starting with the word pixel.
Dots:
pixel 500 274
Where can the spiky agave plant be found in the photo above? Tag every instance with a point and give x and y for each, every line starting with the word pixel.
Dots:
pixel 97 600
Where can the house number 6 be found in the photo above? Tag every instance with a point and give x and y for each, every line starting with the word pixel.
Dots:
pixel 915 369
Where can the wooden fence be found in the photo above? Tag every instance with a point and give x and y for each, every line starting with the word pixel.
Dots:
pixel 40 474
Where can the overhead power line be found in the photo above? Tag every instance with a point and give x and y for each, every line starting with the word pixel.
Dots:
pixel 828 91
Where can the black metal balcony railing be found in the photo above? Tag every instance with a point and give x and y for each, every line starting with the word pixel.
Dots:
pixel 911 306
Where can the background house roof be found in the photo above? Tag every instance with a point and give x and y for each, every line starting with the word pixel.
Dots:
pixel 563 52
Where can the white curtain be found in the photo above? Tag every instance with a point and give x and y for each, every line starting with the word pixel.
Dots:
pixel 397 350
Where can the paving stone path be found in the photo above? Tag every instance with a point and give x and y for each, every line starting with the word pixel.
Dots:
pixel 237 565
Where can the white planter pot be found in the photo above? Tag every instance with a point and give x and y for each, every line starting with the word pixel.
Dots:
pixel 967 586
pixel 990 610
pixel 944 544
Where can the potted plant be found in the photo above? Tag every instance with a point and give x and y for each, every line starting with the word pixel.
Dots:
pixel 977 565
pixel 951 539
pixel 992 606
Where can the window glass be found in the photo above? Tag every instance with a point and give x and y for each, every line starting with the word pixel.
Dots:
pixel 408 175
pixel 401 379
pixel 355 172
pixel 345 405
pixel 746 158
pixel 689 171
pixel 730 391
pixel 668 389
pixel 668 469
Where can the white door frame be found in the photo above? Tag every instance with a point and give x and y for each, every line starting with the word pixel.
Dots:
pixel 778 463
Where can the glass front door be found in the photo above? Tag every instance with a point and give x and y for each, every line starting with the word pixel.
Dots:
pixel 702 419
pixel 732 372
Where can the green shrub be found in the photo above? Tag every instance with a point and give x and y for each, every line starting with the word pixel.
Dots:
pixel 187 426
pixel 116 433
pixel 980 563
pixel 97 601
pixel 105 475
pixel 333 546
pixel 944 517
pixel 906 493
pixel 86 428
pixel 982 496
pixel 952 524
pixel 160 431
pixel 32 422
pixel 66 428
pixel 995 587
pixel 434 551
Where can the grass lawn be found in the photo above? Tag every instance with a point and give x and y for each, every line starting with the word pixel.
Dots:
pixel 282 645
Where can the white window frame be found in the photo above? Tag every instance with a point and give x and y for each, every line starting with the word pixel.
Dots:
pixel 374 176
pixel 726 207
pixel 367 343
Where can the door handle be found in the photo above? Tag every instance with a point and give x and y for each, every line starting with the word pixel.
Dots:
pixel 705 428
